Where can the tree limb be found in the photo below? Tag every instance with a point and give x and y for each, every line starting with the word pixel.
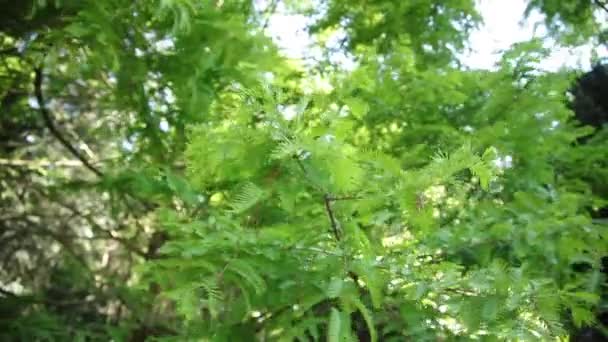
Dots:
pixel 601 4
pixel 50 124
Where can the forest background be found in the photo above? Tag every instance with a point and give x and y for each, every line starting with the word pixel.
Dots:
pixel 168 172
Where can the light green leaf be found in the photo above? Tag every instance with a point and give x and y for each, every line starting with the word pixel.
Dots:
pixel 248 196
pixel 335 287
pixel 357 106
pixel 367 316
pixel 582 316
pixel 334 329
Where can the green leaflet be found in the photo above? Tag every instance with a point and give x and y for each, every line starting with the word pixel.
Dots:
pixel 484 173
pixel 334 332
pixel 188 301
pixel 214 296
pixel 182 189
pixel 301 330
pixel 367 315
pixel 373 280
pixel 357 106
pixel 346 174
pixel 335 287
pixel 248 196
pixel 285 149
pixel 582 316
pixel 248 273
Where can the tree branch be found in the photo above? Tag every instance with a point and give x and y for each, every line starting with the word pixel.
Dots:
pixel 327 199
pixel 601 4
pixel 335 225
pixel 50 124
pixel 332 217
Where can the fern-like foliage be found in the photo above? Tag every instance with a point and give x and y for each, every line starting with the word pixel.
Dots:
pixel 248 196
pixel 177 178
pixel 312 233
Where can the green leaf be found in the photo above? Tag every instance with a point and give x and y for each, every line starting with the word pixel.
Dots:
pixel 357 106
pixel 248 196
pixel 586 297
pixel 373 279
pixel 484 173
pixel 334 332
pixel 346 173
pixel 181 188
pixel 187 302
pixel 214 296
pixel 367 316
pixel 490 309
pixel 335 287
pixel 249 274
pixel 582 316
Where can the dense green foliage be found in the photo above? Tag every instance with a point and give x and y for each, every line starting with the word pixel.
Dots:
pixel 166 174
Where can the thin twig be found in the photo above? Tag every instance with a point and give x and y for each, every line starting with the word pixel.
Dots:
pixel 270 10
pixel 327 199
pixel 50 124
pixel 601 4
pixel 332 218
pixel 344 198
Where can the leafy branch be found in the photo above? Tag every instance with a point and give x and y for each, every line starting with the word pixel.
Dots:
pixel 327 201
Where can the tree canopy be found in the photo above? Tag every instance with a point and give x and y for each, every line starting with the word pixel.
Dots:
pixel 167 174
